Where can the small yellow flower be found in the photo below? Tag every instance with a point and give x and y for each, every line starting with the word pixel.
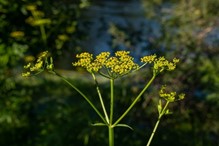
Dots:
pixel 63 37
pixel 37 66
pixel 181 96
pixel 27 74
pixel 31 7
pixel 102 57
pixel 171 66
pixel 39 22
pixel 171 96
pixel 17 34
pixel 160 64
pixel 43 55
pixel 85 60
pixel 175 60
pixel 122 63
pixel 148 59
pixel 29 58
pixel 40 64
pixel 27 66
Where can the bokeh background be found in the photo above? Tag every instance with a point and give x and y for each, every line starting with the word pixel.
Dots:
pixel 44 111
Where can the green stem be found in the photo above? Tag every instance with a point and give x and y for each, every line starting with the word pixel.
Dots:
pixel 111 135
pixel 154 130
pixel 135 101
pixel 42 28
pixel 43 34
pixel 157 123
pixel 111 99
pixel 110 127
pixel 82 94
pixel 101 99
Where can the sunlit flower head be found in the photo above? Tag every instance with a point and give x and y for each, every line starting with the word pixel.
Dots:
pixel 163 64
pixel 148 59
pixel 84 60
pixel 160 64
pixel 122 63
pixel 40 65
pixel 170 96
pixel 118 65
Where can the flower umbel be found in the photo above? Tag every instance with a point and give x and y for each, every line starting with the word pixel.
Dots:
pixel 84 61
pixel 171 96
pixel 160 64
pixel 39 66
pixel 148 59
pixel 121 64
pixel 118 65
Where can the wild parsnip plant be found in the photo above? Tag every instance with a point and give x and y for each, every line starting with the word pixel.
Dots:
pixel 112 68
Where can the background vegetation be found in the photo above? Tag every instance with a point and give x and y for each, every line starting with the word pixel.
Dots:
pixel 43 111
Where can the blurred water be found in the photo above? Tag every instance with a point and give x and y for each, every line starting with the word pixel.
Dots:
pixel 127 16
pixel 212 38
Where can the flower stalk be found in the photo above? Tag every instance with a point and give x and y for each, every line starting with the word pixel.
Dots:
pixel 84 96
pixel 135 101
pixel 157 123
pixel 110 127
pixel 101 100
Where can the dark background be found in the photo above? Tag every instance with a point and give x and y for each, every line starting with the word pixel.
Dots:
pixel 44 111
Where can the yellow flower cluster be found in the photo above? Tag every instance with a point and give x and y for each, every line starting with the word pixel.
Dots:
pixel 85 61
pixel 37 16
pixel 171 97
pixel 100 60
pixel 160 64
pixel 31 7
pixel 38 66
pixel 148 59
pixel 122 63
pixel 17 34
pixel 117 65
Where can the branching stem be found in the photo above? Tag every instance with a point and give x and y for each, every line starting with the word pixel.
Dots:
pixel 135 101
pixel 83 95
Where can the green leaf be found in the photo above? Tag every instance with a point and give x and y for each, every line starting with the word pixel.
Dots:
pixel 168 112
pixel 159 107
pixel 99 124
pixel 124 125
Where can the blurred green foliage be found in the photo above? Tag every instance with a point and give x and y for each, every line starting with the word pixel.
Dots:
pixel 186 25
pixel 41 25
pixel 27 28
pixel 44 112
